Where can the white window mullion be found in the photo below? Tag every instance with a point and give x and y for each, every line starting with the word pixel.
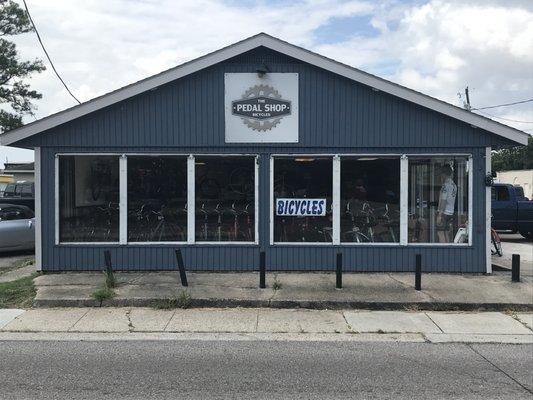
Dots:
pixel 488 212
pixel 271 213
pixel 470 220
pixel 336 203
pixel 404 199
pixel 123 199
pixel 256 199
pixel 191 234
pixel 56 199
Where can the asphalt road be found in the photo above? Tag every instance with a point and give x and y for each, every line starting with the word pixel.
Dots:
pixel 263 370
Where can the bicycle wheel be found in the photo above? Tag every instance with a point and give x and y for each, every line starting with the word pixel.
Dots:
pixel 497 243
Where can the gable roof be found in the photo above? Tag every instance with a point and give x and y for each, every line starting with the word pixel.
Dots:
pixel 262 39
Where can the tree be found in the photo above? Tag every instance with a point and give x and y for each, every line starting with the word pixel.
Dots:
pixel 513 158
pixel 15 96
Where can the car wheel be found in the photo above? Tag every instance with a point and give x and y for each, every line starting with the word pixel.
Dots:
pixel 527 235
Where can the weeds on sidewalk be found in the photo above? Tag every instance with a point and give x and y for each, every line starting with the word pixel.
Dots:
pixel 110 281
pixel 277 284
pixel 103 294
pixel 17 294
pixel 182 300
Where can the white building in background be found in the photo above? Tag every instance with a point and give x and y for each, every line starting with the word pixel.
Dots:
pixel 522 178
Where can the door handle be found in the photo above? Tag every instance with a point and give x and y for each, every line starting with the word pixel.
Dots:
pixel 30 223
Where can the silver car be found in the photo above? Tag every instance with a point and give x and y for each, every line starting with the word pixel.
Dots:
pixel 17 228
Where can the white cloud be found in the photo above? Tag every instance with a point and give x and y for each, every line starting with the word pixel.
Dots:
pixel 440 47
pixel 437 47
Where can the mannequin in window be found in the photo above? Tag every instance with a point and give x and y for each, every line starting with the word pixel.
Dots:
pixel 446 206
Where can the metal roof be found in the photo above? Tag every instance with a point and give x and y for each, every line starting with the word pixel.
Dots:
pixel 262 39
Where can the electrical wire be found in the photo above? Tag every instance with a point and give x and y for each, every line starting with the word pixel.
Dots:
pixel 505 119
pixel 45 52
pixel 503 105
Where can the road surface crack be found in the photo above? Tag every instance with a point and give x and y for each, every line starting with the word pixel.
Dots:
pixel 499 369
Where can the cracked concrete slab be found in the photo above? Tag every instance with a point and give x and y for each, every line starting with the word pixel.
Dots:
pixel 526 319
pixel 386 291
pixel 103 320
pixel 213 320
pixel 390 321
pixel 301 321
pixel 71 279
pixel 488 323
pixel 46 320
pixel 9 314
pixel 149 320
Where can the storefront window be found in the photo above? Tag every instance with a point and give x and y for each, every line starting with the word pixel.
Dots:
pixel 303 199
pixel 225 199
pixel 89 198
pixel 370 200
pixel 157 199
pixel 438 200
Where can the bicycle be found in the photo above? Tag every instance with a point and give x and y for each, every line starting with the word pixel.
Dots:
pixel 496 242
pixel 360 218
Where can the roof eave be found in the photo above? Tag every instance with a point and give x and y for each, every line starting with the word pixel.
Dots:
pixel 278 45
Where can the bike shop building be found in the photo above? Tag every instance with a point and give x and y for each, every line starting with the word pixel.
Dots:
pixel 264 146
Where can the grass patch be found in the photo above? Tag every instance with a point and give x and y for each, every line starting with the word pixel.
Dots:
pixel 18 294
pixel 276 285
pixel 182 300
pixel 103 294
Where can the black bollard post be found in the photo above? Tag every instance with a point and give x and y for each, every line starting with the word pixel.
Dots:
pixel 181 267
pixel 110 281
pixel 338 284
pixel 107 259
pixel 418 272
pixel 515 268
pixel 262 270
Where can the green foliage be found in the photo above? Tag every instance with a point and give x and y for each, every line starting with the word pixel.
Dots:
pixel 110 281
pixel 182 300
pixel 103 294
pixel 17 294
pixel 14 93
pixel 520 157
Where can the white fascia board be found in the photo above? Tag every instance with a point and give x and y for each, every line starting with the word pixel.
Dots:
pixel 278 45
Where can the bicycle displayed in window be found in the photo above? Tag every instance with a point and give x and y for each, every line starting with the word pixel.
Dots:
pixel 369 224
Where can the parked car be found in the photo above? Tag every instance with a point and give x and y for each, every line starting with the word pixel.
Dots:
pixel 511 211
pixel 20 193
pixel 17 228
pixel 20 189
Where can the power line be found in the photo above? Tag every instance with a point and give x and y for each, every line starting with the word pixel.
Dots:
pixel 505 119
pixel 503 105
pixel 45 52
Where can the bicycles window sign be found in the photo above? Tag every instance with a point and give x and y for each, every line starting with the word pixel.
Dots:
pixel 261 109
pixel 301 207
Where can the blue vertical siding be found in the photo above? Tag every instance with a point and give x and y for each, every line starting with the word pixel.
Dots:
pixel 284 258
pixel 336 115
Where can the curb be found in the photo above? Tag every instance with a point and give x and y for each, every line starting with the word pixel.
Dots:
pixel 306 304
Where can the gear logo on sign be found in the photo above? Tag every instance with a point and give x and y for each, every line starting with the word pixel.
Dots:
pixel 261 108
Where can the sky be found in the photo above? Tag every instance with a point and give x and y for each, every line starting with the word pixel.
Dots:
pixel 433 46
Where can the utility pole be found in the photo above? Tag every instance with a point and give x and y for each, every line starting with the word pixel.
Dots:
pixel 466 104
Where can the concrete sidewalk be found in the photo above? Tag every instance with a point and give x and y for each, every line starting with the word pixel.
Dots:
pixel 264 323
pixel 384 291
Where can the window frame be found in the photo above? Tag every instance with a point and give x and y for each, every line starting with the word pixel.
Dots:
pixel 192 193
pixel 404 195
pixel 333 200
pixel 123 200
pixel 56 199
pixel 336 160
